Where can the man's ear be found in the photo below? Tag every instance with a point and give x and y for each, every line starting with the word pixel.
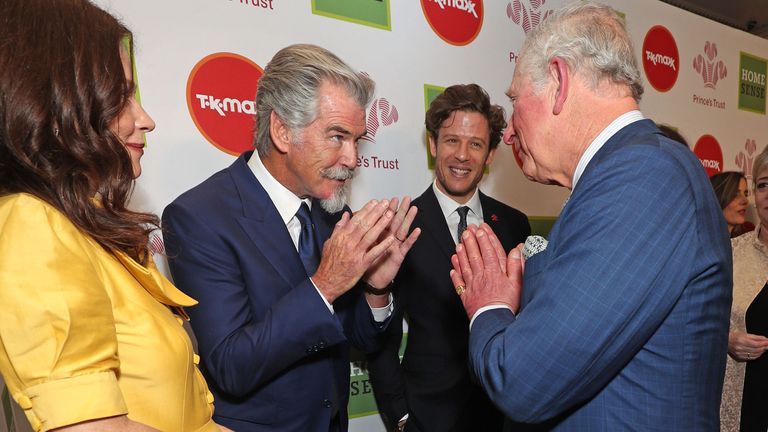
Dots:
pixel 558 71
pixel 432 146
pixel 279 132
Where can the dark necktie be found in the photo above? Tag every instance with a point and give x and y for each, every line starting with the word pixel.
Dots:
pixel 462 211
pixel 308 250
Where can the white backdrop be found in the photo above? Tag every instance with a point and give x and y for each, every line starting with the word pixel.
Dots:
pixel 172 36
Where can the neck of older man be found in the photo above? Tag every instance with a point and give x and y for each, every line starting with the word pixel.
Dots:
pixel 587 112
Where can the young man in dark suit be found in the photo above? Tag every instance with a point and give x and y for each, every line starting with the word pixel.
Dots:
pixel 432 390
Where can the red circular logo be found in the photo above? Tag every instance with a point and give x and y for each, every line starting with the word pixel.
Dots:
pixel 457 22
pixel 661 60
pixel 221 92
pixel 708 150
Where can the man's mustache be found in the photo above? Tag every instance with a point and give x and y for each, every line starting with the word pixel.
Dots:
pixel 338 173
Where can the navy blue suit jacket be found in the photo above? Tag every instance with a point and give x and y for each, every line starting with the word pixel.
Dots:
pixel 624 319
pixel 433 385
pixel 274 356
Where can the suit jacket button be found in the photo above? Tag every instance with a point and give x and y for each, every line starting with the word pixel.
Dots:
pixel 321 344
pixel 327 403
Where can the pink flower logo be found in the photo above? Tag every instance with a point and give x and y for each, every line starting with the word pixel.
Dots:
pixel 745 159
pixel 527 17
pixel 380 113
pixel 711 70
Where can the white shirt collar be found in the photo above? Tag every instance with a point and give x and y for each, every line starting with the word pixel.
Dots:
pixel 603 137
pixel 448 205
pixel 286 202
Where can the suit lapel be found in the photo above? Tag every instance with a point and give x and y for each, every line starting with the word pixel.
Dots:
pixel 497 225
pixel 431 220
pixel 263 224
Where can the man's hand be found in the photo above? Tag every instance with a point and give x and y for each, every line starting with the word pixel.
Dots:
pixel 352 248
pixel 382 272
pixel 482 272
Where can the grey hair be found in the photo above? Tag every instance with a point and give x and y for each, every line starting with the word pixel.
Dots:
pixel 289 88
pixel 760 164
pixel 593 41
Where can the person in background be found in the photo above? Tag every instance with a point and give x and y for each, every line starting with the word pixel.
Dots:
pixel 287 278
pixel 750 272
pixel 733 195
pixel 623 321
pixel 432 390
pixel 90 332
pixel 672 133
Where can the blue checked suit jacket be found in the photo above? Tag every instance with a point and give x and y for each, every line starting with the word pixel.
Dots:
pixel 624 320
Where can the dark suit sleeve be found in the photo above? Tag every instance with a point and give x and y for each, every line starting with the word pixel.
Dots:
pixel 242 350
pixel 619 264
pixel 386 374
pixel 363 331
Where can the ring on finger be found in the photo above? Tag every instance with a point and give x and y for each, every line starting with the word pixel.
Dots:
pixel 460 289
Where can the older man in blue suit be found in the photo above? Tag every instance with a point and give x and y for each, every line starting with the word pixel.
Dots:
pixel 287 279
pixel 623 321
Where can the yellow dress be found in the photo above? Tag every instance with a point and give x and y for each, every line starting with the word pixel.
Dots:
pixel 85 334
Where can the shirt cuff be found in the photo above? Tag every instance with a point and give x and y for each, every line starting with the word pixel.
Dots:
pixel 382 313
pixel 67 401
pixel 330 306
pixel 487 308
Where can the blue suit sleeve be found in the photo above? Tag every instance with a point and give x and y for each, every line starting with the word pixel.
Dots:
pixel 242 348
pixel 614 271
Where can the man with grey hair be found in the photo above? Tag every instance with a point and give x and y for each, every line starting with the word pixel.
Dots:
pixel 286 277
pixel 623 320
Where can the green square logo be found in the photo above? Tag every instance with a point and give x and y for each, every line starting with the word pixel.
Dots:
pixel 430 93
pixel 372 13
pixel 361 399
pixel 752 72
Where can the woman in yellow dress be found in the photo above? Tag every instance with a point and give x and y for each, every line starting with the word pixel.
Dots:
pixel 91 335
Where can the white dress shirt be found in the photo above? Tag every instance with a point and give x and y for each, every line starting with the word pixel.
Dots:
pixel 449 207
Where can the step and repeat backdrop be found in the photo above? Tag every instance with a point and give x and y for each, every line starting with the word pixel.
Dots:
pixel 199 61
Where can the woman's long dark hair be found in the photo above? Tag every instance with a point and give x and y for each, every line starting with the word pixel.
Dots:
pixel 62 86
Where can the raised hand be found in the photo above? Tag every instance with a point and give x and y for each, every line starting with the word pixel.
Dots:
pixel 382 272
pixel 482 272
pixel 355 244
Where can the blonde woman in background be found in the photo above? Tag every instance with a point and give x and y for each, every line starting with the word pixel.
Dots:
pixel 750 272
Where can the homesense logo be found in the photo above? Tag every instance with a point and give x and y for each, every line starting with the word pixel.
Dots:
pixel 752 71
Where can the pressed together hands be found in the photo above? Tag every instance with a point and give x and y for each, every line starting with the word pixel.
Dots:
pixel 370 244
pixel 483 273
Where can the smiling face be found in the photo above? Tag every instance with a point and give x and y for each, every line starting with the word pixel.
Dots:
pixel 461 152
pixel 132 123
pixel 735 211
pixel 322 157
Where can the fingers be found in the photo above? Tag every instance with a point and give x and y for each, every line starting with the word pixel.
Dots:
pixel 377 252
pixel 405 246
pixel 473 254
pixel 462 262
pixel 501 254
pixel 488 252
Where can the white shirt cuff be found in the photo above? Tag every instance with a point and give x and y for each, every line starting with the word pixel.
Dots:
pixel 382 313
pixel 486 308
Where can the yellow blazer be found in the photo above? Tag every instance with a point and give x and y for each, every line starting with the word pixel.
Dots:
pixel 86 334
